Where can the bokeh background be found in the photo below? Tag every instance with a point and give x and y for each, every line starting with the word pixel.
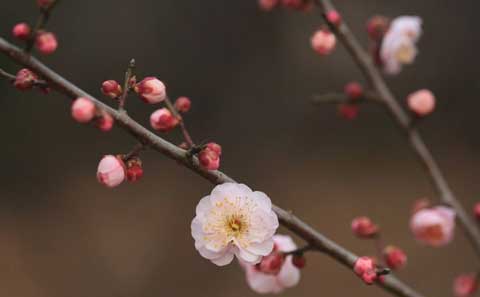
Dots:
pixel 251 76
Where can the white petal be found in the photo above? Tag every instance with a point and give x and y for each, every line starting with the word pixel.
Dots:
pixel 289 275
pixel 247 256
pixel 197 230
pixel 262 199
pixel 229 190
pixel 203 206
pixel 224 260
pixel 262 283
pixel 284 243
pixel 208 254
pixel 261 248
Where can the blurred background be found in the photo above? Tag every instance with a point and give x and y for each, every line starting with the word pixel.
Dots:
pixel 251 76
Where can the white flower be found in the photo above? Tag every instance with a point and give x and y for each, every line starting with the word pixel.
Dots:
pixel 399 43
pixel 234 220
pixel 287 276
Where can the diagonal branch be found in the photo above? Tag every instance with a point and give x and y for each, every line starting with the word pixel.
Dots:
pixel 403 119
pixel 287 219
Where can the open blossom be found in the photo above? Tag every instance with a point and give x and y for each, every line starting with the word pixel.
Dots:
pixel 465 285
pixel 151 90
pixel 276 271
pixel 366 269
pixel 83 110
pixel 399 43
pixel 46 43
pixel 234 221
pixel 323 42
pixel 421 102
pixel 163 120
pixel 209 157
pixel 433 226
pixel 25 79
pixel 363 227
pixel 21 31
pixel 111 171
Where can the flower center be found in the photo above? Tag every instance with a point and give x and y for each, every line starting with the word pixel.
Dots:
pixel 405 54
pixel 235 225
pixel 434 233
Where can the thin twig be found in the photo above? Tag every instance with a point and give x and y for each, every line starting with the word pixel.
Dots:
pixel 129 74
pixel 135 151
pixel 302 250
pixel 10 77
pixel 183 127
pixel 42 21
pixel 287 219
pixel 403 119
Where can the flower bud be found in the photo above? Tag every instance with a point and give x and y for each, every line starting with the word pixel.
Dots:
pixel 421 102
pixel 111 171
pixel 377 26
pixel 271 264
pixel 105 122
pixel 465 285
pixel 323 42
pixel 25 79
pixel 46 42
pixel 134 169
pixel 267 5
pixel 111 89
pixel 420 204
pixel 348 111
pixel 394 257
pixel 334 17
pixel 21 31
pixel 353 90
pixel 83 110
pixel 363 227
pixel 476 210
pixel 433 226
pixel 299 261
pixel 151 90
pixel 209 157
pixel 44 3
pixel 183 104
pixel 365 268
pixel 163 120
pixel 301 5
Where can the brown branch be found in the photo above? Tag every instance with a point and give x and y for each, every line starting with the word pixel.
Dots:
pixel 338 98
pixel 287 219
pixel 10 77
pixel 403 120
pixel 183 126
pixel 129 74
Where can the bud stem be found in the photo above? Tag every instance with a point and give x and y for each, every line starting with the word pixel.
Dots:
pixel 129 74
pixel 42 21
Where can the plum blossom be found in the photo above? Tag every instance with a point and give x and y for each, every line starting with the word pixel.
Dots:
pixel 276 271
pixel 366 269
pixel 399 43
pixel 234 221
pixel 433 226
pixel 421 102
pixel 465 285
pixel 323 42
pixel 111 171
pixel 151 90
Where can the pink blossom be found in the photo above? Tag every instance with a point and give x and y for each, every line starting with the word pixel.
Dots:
pixel 433 226
pixel 151 90
pixel 209 157
pixel 183 104
pixel 267 5
pixel 111 88
pixel 21 31
pixel 476 210
pixel 377 26
pixel 421 102
pixel 323 42
pixel 46 43
pixel 44 3
pixel 363 227
pixel 163 120
pixel 83 110
pixel 105 122
pixel 395 257
pixel 353 90
pixel 465 285
pixel 366 268
pixel 285 275
pixel 25 79
pixel 134 169
pixel 234 221
pixel 348 111
pixel 334 17
pixel 111 171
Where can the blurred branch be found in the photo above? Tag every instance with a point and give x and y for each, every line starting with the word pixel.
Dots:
pixel 338 98
pixel 287 219
pixel 403 119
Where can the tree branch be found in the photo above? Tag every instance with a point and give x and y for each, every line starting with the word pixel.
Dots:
pixel 287 219
pixel 403 120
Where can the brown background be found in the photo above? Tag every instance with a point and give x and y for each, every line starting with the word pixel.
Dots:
pixel 250 75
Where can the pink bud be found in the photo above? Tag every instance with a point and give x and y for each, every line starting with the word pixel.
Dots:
pixel 163 120
pixel 46 43
pixel 134 169
pixel 299 261
pixel 323 42
pixel 183 104
pixel 111 171
pixel 111 89
pixel 365 268
pixel 267 5
pixel 353 90
pixel 421 102
pixel 44 3
pixel 465 285
pixel 105 122
pixel 25 79
pixel 334 17
pixel 348 111
pixel 151 90
pixel 394 257
pixel 272 263
pixel 209 157
pixel 377 26
pixel 476 210
pixel 433 226
pixel 302 5
pixel 21 31
pixel 83 110
pixel 363 227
